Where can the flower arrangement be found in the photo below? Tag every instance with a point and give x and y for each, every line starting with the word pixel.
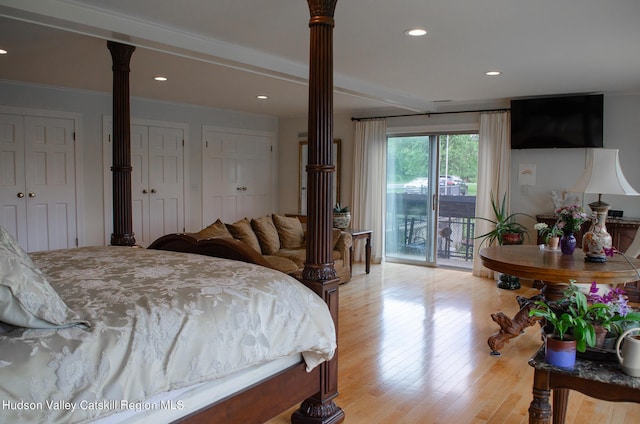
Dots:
pixel 570 218
pixel 548 232
pixel 614 311
pixel 578 314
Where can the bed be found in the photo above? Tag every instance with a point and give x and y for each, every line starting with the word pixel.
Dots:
pixel 141 324
pixel 264 392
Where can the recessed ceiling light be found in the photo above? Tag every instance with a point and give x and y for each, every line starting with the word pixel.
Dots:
pixel 2 51
pixel 262 97
pixel 416 32
pixel 160 78
pixel 493 73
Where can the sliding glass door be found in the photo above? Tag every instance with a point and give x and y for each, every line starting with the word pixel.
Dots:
pixel 412 184
pixel 431 187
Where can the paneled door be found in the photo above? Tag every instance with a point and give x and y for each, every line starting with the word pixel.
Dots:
pixel 37 181
pixel 237 175
pixel 157 180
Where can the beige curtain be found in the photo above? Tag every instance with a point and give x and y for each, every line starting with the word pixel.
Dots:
pixel 369 185
pixel 494 173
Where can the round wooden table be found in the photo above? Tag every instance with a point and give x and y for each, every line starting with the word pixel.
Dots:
pixel 554 267
pixel 555 270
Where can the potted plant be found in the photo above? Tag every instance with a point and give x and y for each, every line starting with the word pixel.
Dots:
pixel 570 220
pixel 341 216
pixel 551 234
pixel 567 328
pixel 505 230
pixel 572 322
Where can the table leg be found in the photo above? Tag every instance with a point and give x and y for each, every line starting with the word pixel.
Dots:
pixel 540 408
pixel 367 248
pixel 351 261
pixel 560 401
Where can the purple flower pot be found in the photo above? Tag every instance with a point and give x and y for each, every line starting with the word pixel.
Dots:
pixel 561 353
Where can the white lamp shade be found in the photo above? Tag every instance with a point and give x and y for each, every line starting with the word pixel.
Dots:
pixel 603 175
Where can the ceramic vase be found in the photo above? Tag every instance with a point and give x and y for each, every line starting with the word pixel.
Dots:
pixel 553 242
pixel 561 353
pixel 568 243
pixel 341 219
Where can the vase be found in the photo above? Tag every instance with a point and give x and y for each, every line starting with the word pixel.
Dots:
pixel 561 353
pixel 341 220
pixel 568 243
pixel 553 242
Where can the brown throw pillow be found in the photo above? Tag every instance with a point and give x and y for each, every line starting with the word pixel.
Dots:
pixel 267 234
pixel 289 230
pixel 217 229
pixel 242 231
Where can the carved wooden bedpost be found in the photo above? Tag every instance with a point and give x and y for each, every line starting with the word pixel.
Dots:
pixel 122 208
pixel 319 272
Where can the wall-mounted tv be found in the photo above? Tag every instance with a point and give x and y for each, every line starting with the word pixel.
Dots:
pixel 557 122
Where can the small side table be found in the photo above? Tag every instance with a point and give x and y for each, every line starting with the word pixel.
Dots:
pixel 355 235
pixel 598 379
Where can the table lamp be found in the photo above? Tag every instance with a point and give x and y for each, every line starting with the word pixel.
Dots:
pixel 601 175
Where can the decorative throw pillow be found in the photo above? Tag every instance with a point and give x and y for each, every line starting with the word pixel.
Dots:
pixel 242 231
pixel 28 300
pixel 9 244
pixel 217 229
pixel 335 234
pixel 267 234
pixel 290 231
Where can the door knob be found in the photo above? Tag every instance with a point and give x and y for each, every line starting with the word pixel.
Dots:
pixel 145 191
pixel 20 195
pixel 153 190
pixel 32 194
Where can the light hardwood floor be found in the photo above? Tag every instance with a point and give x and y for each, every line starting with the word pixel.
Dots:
pixel 413 349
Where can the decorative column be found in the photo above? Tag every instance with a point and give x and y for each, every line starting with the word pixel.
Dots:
pixel 121 162
pixel 319 273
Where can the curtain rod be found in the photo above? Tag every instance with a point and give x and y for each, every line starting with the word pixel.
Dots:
pixel 429 114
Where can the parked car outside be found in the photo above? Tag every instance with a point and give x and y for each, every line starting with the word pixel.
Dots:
pixel 454 180
pixel 417 186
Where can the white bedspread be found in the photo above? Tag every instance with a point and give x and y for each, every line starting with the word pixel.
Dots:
pixel 159 321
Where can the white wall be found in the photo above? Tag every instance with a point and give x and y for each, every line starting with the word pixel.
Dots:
pixel 93 106
pixel 557 169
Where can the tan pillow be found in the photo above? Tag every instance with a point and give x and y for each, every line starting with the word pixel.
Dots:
pixel 290 231
pixel 281 264
pixel 242 231
pixel 267 234
pixel 335 233
pixel 217 229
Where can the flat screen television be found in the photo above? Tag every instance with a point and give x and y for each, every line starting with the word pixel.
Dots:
pixel 557 122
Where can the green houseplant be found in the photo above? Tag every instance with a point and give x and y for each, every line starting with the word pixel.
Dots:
pixel 578 316
pixel 504 225
pixel 505 230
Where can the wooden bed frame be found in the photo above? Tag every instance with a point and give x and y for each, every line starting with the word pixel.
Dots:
pixel 317 389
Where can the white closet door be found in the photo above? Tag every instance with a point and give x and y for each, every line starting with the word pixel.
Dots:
pixel 13 212
pixel 237 179
pixel 140 183
pixel 50 183
pixel 157 179
pixel 166 181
